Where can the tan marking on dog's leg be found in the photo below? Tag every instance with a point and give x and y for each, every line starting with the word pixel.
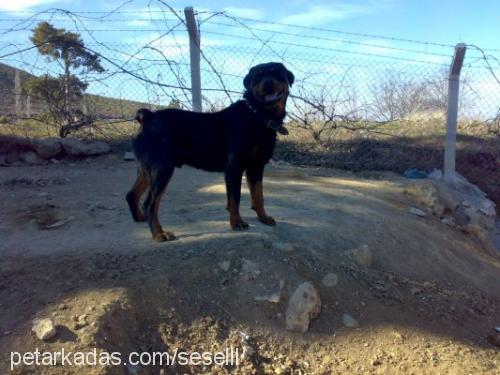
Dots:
pixel 158 233
pixel 134 196
pixel 257 195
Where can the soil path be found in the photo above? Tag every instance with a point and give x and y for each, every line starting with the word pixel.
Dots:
pixel 69 247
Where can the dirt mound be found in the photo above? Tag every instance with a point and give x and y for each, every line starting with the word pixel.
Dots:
pixel 428 296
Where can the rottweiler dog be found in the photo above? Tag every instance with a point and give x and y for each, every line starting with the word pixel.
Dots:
pixel 240 138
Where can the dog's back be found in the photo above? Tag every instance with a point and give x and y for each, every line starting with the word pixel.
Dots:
pixel 182 137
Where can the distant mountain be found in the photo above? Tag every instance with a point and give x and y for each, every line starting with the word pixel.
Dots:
pixel 101 106
pixel 7 88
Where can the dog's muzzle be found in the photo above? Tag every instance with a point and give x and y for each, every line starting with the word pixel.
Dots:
pixel 274 97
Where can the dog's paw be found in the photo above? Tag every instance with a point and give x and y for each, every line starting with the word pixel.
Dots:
pixel 239 224
pixel 268 220
pixel 164 236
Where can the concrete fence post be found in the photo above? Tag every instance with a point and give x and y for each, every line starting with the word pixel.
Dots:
pixel 194 56
pixel 452 112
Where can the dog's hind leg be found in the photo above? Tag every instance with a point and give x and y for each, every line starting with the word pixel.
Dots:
pixel 254 180
pixel 159 181
pixel 233 177
pixel 134 195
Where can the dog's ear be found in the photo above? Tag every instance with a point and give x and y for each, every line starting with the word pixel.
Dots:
pixel 248 79
pixel 290 77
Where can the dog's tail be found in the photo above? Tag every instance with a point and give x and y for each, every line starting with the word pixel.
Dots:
pixel 143 115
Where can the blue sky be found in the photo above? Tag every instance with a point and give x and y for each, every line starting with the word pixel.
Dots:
pixel 370 42
pixel 447 21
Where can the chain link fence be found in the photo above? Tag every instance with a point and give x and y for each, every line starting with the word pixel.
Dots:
pixel 359 101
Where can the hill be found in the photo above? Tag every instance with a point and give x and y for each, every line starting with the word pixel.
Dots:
pixel 103 107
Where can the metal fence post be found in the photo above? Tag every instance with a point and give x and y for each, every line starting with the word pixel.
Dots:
pixel 452 114
pixel 194 56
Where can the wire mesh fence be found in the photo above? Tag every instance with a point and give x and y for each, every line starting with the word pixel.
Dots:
pixel 359 101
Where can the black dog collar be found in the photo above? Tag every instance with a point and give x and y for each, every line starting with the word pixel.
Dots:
pixel 271 123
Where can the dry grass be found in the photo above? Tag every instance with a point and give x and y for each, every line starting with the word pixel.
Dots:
pixel 413 143
pixel 113 132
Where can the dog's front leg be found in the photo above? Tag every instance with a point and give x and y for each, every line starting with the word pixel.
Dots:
pixel 254 180
pixel 233 175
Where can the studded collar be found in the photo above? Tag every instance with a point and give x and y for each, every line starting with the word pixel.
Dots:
pixel 271 123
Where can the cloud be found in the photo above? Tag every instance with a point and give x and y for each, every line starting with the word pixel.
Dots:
pixel 375 46
pixel 171 46
pixel 139 23
pixel 20 5
pixel 321 14
pixel 245 12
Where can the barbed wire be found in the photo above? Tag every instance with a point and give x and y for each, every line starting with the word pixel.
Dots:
pixel 120 66
pixel 427 43
pixel 105 14
pixel 326 48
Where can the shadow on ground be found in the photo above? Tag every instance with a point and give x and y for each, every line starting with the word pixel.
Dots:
pixel 430 296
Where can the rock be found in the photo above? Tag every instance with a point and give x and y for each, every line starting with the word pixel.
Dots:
pixel 248 351
pixel 128 156
pixel 245 337
pixel 44 329
pixel 60 223
pixel 349 321
pixel 81 321
pixel 417 211
pixel 415 291
pixel 361 255
pixel 398 337
pixel 47 148
pixel 428 284
pixel 12 156
pixel 97 148
pixel 284 247
pixel 469 207
pixel 427 195
pixel 330 280
pixel 31 157
pixel 3 160
pixel 8 143
pixel 225 265
pixel 303 306
pixel 249 270
pixel 376 362
pixel 448 220
pixel 436 174
pixel 273 297
pixel 74 147
pixel 100 206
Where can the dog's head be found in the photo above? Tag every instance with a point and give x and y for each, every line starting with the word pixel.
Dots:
pixel 267 86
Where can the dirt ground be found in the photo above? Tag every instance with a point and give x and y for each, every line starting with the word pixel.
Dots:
pixel 71 252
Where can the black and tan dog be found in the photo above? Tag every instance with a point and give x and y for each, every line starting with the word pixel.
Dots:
pixel 240 138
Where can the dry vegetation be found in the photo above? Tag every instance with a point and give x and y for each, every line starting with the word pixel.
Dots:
pixel 396 146
pixel 401 145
